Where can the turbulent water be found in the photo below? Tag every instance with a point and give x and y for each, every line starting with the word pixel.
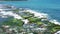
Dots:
pixel 51 7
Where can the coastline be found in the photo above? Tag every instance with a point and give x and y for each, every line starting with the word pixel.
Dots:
pixel 36 14
pixel 31 19
pixel 10 13
pixel 42 15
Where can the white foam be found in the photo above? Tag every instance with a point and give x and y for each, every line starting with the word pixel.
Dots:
pixel 55 22
pixel 36 14
pixel 10 13
pixel 43 15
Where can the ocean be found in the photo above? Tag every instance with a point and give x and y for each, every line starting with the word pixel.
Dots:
pixel 50 7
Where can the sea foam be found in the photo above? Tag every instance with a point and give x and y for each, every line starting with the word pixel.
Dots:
pixel 42 15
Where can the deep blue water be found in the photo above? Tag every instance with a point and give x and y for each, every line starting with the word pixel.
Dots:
pixel 51 7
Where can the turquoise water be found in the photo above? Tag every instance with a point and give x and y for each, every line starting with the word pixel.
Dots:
pixel 51 7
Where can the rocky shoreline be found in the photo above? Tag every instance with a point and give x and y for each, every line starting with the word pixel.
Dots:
pixel 21 21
